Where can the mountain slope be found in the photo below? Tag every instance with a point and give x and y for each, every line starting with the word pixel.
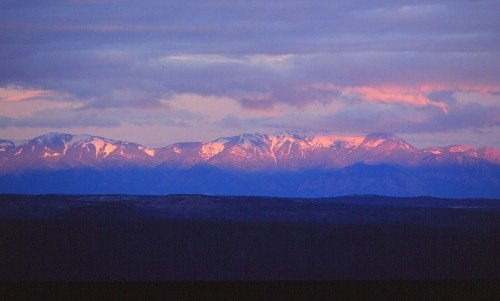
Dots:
pixel 283 164
pixel 288 150
pixel 57 150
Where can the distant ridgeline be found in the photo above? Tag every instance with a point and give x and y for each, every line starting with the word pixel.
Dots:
pixel 284 164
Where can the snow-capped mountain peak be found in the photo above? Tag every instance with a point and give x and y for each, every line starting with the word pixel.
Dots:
pixel 326 141
pixel 285 150
pixel 210 149
pixel 390 141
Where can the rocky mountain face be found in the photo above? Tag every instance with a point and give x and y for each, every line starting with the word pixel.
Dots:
pixel 288 150
pixel 61 151
pixel 284 164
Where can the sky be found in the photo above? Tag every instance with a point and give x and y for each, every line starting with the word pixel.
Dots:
pixel 158 72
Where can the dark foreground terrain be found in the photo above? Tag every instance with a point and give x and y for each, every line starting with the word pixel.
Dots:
pixel 194 237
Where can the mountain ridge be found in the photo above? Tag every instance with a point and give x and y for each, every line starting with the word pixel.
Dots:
pixel 288 164
pixel 286 150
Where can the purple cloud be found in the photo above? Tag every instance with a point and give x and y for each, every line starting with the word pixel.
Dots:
pixel 388 62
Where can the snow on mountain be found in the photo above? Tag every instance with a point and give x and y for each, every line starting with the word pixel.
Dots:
pixel 59 150
pixel 183 154
pixel 489 154
pixel 246 151
pixel 289 150
pixel 210 149
pixel 459 154
pixel 286 150
pixel 335 141
pixel 384 148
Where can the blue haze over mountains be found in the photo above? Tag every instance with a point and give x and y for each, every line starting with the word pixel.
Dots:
pixel 289 164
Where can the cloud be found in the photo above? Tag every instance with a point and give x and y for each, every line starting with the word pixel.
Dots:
pixel 366 117
pixel 386 64
pixel 385 94
pixel 230 121
pixel 59 118
pixel 17 94
pixel 13 94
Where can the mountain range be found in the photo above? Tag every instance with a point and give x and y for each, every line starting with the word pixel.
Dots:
pixel 289 163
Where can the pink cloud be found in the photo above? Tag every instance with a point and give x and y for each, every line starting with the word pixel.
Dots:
pixel 403 95
pixel 15 94
pixel 417 95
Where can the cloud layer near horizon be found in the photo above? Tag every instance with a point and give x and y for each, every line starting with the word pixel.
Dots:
pixel 202 69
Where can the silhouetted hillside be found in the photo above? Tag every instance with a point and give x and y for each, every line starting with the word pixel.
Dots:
pixel 188 237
